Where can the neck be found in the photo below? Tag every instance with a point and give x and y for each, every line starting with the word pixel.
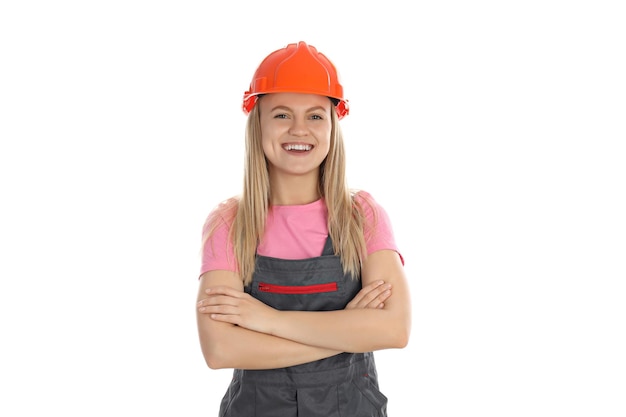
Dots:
pixel 294 190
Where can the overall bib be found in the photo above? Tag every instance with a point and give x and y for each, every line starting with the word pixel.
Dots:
pixel 344 385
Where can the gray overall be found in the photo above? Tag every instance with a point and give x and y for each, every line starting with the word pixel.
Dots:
pixel 344 385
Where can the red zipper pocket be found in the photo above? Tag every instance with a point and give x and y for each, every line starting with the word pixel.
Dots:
pixel 297 289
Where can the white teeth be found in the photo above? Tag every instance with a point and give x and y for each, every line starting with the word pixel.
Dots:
pixel 297 147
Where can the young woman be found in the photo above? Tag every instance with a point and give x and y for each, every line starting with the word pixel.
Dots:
pixel 301 279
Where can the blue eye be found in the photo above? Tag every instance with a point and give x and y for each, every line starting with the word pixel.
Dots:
pixel 317 117
pixel 280 116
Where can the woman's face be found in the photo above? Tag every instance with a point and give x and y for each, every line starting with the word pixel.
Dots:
pixel 295 130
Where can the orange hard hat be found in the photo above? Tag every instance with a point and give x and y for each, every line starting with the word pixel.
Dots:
pixel 297 68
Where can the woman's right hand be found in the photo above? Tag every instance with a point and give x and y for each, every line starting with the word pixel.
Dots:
pixel 373 295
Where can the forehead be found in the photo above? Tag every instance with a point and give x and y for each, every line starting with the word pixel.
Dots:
pixel 295 100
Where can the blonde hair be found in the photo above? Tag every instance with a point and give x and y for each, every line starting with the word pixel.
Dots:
pixel 247 212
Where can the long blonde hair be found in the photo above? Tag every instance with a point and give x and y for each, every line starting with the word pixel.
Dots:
pixel 247 212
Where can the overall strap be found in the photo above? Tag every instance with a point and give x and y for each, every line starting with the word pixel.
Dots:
pixel 328 247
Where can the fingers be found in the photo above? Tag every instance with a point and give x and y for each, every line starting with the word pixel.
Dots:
pixel 221 308
pixel 220 295
pixel 227 314
pixel 379 300
pixel 371 296
pixel 224 290
pixel 215 300
pixel 218 309
pixel 217 303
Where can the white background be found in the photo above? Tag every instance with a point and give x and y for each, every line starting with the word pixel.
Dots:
pixel 493 132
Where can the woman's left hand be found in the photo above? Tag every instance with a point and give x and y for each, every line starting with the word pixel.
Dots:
pixel 373 295
pixel 236 307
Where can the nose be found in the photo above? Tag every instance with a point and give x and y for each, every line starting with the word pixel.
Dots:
pixel 298 127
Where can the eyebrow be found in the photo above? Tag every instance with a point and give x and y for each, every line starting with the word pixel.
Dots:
pixel 281 107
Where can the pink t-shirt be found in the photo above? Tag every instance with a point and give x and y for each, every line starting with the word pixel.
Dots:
pixel 297 232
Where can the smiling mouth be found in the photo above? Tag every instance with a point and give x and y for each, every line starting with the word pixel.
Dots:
pixel 297 147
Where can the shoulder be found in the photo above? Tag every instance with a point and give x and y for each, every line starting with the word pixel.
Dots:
pixel 222 215
pixel 367 205
pixel 377 226
pixel 217 248
pixel 361 195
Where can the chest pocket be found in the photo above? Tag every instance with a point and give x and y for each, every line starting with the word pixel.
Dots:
pixel 296 285
pixel 315 284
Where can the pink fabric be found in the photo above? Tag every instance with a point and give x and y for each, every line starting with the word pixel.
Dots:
pixel 296 232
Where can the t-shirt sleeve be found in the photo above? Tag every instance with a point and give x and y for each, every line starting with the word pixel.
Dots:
pixel 217 249
pixel 378 229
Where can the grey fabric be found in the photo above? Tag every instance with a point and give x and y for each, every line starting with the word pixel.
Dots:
pixel 344 385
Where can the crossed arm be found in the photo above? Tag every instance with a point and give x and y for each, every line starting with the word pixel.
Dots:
pixel 238 331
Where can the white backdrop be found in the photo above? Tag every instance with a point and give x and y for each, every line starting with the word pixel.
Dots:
pixel 492 132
